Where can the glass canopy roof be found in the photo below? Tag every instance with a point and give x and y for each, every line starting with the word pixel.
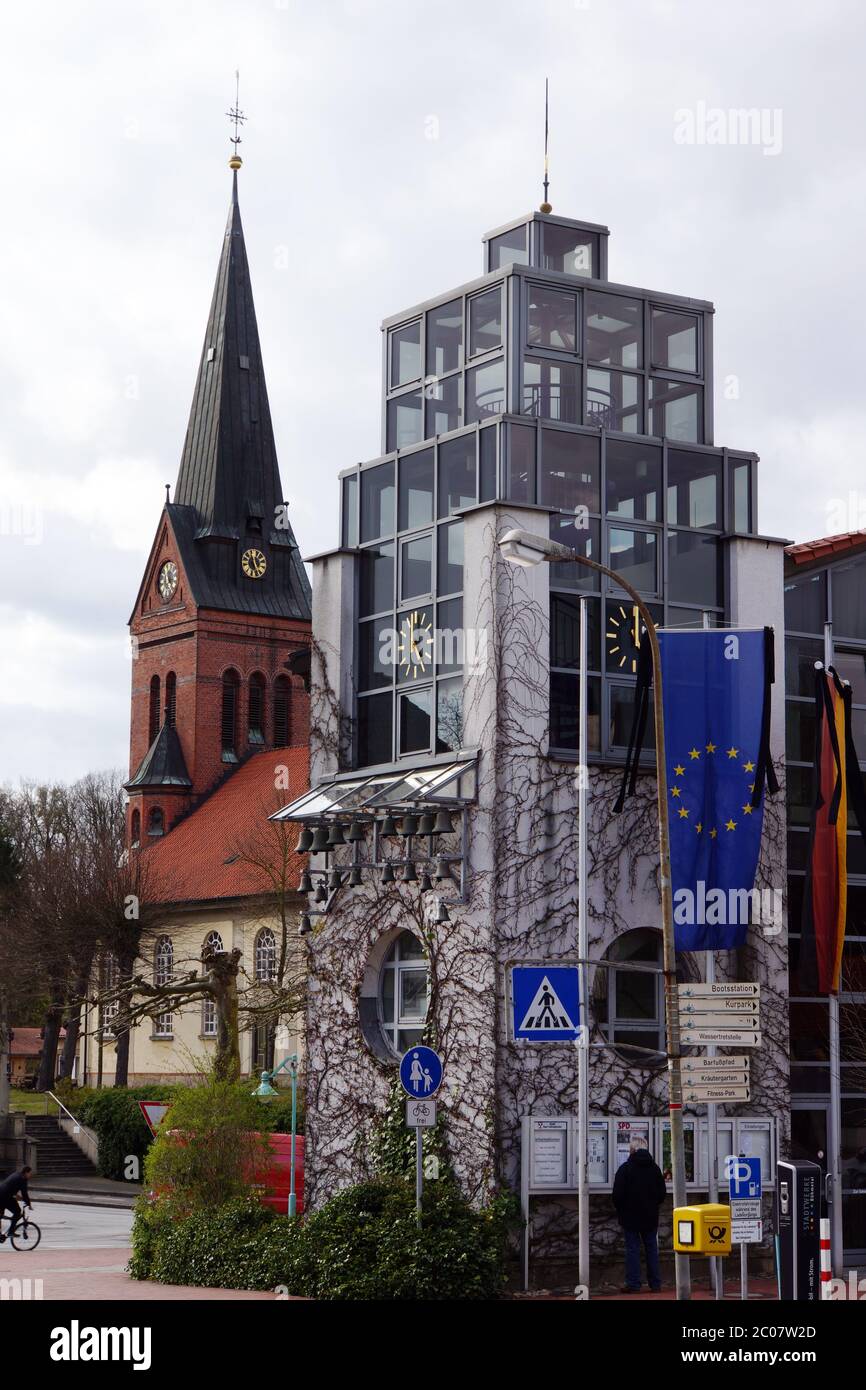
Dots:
pixel 448 784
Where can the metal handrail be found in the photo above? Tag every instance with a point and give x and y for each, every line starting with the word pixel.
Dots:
pixel 59 1103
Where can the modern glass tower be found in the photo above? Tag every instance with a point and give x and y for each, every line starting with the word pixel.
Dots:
pixel 542 383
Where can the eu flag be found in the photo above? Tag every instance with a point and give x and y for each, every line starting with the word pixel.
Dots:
pixel 716 698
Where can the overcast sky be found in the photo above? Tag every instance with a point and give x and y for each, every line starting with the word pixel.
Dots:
pixel 383 138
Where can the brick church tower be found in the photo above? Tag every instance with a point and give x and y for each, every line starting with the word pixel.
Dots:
pixel 221 624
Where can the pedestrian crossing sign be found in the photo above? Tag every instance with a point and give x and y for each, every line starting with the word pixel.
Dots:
pixel 545 1003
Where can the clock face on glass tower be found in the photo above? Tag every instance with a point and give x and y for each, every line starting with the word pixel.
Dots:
pixel 415 652
pixel 623 634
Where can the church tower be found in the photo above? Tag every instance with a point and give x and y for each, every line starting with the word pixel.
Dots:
pixel 221 623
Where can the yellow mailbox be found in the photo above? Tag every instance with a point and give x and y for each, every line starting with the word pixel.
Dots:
pixel 704 1229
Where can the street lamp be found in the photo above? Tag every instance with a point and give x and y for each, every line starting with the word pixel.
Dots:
pixel 265 1092
pixel 527 550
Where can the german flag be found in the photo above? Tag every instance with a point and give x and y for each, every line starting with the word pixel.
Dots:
pixel 838 786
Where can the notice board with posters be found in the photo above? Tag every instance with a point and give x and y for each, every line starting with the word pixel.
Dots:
pixel 549 1148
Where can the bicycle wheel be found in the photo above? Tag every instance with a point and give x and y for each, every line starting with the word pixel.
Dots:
pixel 27 1236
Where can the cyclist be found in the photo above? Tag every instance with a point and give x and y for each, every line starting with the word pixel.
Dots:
pixel 9 1189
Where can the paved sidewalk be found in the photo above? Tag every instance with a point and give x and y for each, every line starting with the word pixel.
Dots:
pixel 91 1191
pixel 99 1276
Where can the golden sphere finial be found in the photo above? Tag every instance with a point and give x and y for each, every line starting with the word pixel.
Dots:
pixel 235 162
pixel 546 207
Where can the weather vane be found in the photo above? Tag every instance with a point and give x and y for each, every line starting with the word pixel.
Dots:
pixel 545 206
pixel 237 117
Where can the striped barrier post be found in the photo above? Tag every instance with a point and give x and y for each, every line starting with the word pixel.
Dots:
pixel 826 1272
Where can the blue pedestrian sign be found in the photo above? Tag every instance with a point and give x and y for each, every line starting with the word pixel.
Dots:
pixel 420 1072
pixel 545 1003
pixel 744 1176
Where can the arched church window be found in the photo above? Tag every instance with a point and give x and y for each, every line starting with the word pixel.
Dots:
pixel 171 699
pixel 229 719
pixel 214 942
pixel 266 955
pixel 135 829
pixel 163 969
pixel 404 988
pixel 256 709
pixel 156 821
pixel 282 688
pixel 154 713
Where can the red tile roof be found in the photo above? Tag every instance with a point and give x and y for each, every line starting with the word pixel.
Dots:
pixel 27 1042
pixel 205 857
pixel 810 552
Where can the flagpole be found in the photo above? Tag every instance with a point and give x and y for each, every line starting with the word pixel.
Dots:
pixel 582 953
pixel 525 548
pixel 834 1127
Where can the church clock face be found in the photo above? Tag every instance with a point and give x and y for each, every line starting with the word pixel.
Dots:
pixel 416 644
pixel 167 580
pixel 253 564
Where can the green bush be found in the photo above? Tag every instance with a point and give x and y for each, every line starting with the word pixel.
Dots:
pixel 365 1244
pixel 209 1147
pixel 115 1115
pixel 243 1245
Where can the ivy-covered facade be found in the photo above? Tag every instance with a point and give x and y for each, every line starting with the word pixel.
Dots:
pixel 442 821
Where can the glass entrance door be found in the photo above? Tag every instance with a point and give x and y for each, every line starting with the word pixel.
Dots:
pixel 853 1165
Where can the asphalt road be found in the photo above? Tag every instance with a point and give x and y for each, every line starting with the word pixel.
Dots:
pixel 70 1227
pixel 82 1257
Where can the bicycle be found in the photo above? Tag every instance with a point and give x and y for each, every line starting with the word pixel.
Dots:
pixel 27 1234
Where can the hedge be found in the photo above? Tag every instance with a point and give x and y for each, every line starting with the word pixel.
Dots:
pixel 115 1115
pixel 365 1244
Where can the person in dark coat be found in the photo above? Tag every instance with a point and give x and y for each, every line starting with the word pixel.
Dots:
pixel 638 1192
pixel 10 1188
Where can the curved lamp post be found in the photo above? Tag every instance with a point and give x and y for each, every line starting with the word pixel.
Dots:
pixel 528 550
pixel 265 1092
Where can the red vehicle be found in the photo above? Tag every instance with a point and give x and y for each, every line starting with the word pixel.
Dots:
pixel 275 1181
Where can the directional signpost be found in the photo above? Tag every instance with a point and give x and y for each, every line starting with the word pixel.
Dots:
pixel 420 1077
pixel 720 1015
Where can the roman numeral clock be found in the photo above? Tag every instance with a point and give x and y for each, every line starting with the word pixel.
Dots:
pixel 254 564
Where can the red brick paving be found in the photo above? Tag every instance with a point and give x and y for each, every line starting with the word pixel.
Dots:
pixel 98 1276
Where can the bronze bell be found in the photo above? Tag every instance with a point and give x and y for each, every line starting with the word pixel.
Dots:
pixel 355 878
pixel 388 873
pixel 335 835
pixel 305 840
pixel 320 840
pixel 387 826
pixel 409 826
pixel 355 833
pixel 426 824
pixel 409 875
pixel 442 824
pixel 306 883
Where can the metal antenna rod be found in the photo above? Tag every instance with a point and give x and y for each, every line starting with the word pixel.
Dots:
pixel 545 206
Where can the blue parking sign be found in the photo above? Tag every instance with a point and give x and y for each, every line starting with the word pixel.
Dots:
pixel 744 1176
pixel 420 1072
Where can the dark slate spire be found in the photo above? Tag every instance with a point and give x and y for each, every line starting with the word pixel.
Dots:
pixel 163 765
pixel 228 485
